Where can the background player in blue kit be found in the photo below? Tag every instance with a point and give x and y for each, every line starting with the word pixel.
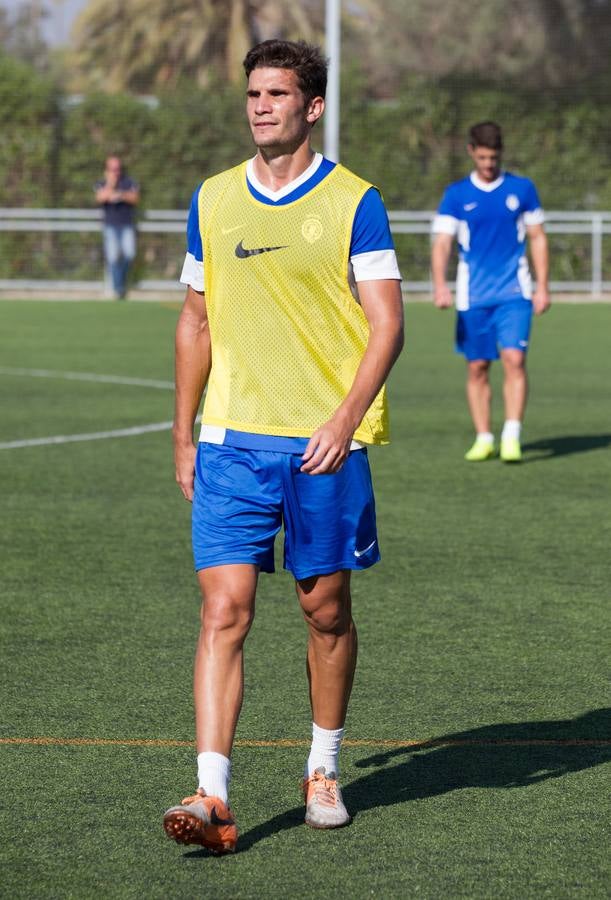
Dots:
pixel 490 213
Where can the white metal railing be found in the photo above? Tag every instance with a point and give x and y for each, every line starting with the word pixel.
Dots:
pixel 168 221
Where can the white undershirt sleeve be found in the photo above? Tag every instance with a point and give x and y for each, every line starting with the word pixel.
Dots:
pixel 445 225
pixel 193 273
pixel 375 265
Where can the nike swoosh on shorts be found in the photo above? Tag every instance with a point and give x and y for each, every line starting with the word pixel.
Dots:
pixel 358 553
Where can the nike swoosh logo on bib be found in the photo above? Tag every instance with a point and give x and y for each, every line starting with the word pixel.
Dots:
pixel 242 253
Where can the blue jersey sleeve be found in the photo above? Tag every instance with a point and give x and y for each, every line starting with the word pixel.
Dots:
pixel 371 229
pixel 449 205
pixel 531 198
pixel 194 238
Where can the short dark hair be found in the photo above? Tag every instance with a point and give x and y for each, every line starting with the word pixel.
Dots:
pixel 486 134
pixel 305 60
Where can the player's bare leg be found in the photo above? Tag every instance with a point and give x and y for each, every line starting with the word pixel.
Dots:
pixel 515 384
pixel 479 396
pixel 228 594
pixel 331 660
pixel 332 645
pixel 515 393
pixel 227 612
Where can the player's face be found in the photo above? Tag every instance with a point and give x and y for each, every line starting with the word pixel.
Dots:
pixel 487 162
pixel 279 118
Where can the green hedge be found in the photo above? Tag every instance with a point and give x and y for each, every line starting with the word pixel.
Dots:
pixel 52 149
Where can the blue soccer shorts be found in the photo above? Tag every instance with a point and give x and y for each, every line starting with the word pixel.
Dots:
pixel 243 497
pixel 481 330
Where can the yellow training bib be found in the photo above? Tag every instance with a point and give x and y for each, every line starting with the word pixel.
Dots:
pixel 287 334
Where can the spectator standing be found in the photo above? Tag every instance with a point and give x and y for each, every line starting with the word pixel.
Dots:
pixel 118 196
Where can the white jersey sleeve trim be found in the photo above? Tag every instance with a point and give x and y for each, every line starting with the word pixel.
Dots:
pixel 192 273
pixel 375 265
pixel 445 225
pixel 534 217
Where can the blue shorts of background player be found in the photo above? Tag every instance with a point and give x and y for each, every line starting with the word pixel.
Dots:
pixel 243 497
pixel 481 330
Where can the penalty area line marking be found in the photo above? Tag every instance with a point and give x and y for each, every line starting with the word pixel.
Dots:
pixel 288 742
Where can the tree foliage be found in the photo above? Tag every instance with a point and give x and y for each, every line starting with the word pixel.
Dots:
pixel 21 33
pixel 145 45
pixel 539 43
pixel 29 135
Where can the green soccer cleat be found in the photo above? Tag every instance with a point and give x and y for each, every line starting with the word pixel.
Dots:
pixel 480 451
pixel 511 452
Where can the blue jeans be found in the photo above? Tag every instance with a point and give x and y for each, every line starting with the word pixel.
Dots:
pixel 119 251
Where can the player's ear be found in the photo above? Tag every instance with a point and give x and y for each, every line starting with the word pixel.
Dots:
pixel 315 109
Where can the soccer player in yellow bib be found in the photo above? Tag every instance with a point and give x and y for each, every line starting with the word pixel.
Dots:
pixel 292 319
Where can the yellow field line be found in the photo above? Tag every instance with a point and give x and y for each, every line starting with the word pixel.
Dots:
pixel 421 745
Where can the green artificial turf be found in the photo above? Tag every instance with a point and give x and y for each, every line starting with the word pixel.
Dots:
pixel 483 632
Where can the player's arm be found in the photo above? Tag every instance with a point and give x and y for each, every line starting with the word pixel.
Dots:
pixel 382 304
pixel 440 257
pixel 193 361
pixel 539 253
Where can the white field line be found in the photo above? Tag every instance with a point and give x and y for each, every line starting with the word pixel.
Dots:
pixel 89 376
pixel 94 435
pixel 91 436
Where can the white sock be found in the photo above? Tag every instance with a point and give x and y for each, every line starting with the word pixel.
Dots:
pixel 485 437
pixel 324 750
pixel 511 429
pixel 213 773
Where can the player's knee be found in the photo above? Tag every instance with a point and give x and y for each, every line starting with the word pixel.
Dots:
pixel 478 370
pixel 224 614
pixel 330 616
pixel 514 360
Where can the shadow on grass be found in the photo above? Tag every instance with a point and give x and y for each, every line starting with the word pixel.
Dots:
pixel 508 755
pixel 547 448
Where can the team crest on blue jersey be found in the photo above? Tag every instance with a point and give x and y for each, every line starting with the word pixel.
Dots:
pixel 512 202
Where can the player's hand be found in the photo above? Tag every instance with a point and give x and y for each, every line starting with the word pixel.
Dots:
pixel 541 301
pixel 442 297
pixel 184 460
pixel 328 448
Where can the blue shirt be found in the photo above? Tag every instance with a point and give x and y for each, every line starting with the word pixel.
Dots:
pixel 489 222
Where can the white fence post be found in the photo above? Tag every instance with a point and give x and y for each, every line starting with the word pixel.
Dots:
pixel 597 254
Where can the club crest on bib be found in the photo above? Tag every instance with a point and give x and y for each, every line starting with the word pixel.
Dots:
pixel 312 230
pixel 512 202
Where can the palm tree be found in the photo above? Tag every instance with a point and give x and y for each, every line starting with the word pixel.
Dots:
pixel 141 45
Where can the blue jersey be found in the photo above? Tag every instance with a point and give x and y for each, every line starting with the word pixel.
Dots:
pixel 489 221
pixel 372 257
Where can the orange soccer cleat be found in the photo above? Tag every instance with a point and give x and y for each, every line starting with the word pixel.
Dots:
pixel 203 820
